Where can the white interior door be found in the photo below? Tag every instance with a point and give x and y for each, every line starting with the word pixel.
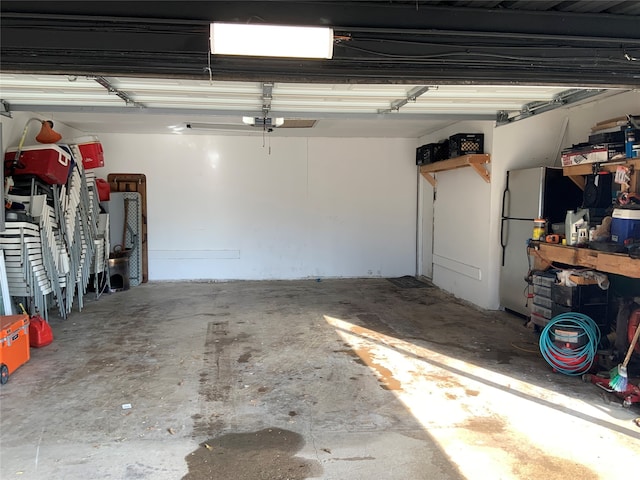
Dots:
pixel 425 227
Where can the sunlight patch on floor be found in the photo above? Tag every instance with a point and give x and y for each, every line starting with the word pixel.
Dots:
pixel 489 422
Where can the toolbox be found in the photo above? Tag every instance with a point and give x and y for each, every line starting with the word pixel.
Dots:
pixel 14 343
pixel 592 153
pixel 50 163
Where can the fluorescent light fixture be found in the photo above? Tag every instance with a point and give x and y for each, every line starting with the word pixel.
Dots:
pixel 271 40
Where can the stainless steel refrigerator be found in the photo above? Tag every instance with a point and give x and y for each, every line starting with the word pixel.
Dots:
pixel 540 192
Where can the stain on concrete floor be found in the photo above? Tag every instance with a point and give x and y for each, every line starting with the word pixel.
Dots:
pixel 268 454
pixel 532 462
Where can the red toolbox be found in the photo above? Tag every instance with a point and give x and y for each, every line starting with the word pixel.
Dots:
pixel 14 344
pixel 50 163
pixel 90 150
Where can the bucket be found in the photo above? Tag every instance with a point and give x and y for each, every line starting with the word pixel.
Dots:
pixel 119 273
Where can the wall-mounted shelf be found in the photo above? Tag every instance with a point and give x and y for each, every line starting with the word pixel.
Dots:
pixel 546 253
pixel 475 161
pixel 577 172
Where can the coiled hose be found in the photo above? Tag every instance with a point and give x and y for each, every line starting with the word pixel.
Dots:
pixel 561 339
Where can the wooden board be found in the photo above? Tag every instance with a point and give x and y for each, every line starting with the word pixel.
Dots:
pixel 135 182
pixel 475 161
pixel 577 172
pixel 546 254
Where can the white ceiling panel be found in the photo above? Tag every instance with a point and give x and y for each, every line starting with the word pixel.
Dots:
pixel 130 105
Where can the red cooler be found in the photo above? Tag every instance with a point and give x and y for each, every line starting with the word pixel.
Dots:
pixel 91 151
pixel 50 163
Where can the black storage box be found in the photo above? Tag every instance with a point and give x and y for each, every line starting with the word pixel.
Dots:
pixel 598 313
pixel 432 152
pixel 609 137
pixel 579 296
pixel 465 144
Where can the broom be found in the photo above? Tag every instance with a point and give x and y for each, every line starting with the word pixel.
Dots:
pixel 618 377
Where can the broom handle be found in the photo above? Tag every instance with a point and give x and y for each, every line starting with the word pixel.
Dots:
pixel 632 346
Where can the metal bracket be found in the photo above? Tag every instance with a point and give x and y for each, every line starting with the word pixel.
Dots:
pixel 267 96
pixel 111 89
pixel 5 111
pixel 560 100
pixel 412 96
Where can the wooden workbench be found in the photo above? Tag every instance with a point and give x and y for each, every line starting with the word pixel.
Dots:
pixel 546 254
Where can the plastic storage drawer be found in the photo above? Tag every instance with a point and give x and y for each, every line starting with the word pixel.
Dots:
pixel 542 291
pixel 544 279
pixel 542 311
pixel 541 301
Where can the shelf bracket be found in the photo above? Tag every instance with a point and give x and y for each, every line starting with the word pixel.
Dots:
pixel 481 170
pixel 429 178
pixel 475 161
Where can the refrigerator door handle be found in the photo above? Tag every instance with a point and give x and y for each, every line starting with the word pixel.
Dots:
pixel 503 242
pixel 506 197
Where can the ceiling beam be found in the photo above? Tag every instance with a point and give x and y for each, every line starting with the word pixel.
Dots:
pixel 401 42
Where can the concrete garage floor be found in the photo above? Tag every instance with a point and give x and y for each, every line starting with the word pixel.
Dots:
pixel 338 379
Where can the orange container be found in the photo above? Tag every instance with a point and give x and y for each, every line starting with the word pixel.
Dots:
pixel 14 343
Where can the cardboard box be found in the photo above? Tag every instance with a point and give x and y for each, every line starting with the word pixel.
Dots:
pixel 14 342
pixel 600 153
pixel 580 280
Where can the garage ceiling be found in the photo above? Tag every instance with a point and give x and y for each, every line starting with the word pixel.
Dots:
pixel 399 68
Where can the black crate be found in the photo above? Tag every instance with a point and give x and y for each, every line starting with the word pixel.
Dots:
pixel 465 144
pixel 579 296
pixel 598 313
pixel 432 152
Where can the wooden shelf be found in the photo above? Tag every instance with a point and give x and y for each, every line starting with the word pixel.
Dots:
pixel 547 253
pixel 475 161
pixel 577 172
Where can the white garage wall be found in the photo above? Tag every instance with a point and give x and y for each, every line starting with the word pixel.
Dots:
pixel 222 207
pixel 467 211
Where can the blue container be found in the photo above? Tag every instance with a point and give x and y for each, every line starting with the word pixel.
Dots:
pixel 625 226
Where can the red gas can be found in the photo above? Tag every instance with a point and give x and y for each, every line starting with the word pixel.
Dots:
pixel 40 333
pixel 104 190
